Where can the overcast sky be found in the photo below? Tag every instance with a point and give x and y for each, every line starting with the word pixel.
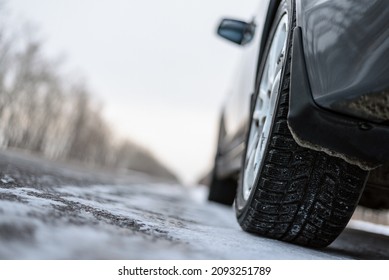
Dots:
pixel 156 65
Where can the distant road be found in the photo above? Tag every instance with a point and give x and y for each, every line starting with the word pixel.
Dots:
pixel 58 211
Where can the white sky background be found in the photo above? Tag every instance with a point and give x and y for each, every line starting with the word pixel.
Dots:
pixel 157 66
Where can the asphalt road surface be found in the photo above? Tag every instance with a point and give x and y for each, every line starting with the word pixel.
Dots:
pixel 61 211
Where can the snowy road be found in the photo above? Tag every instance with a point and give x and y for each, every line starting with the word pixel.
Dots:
pixel 53 211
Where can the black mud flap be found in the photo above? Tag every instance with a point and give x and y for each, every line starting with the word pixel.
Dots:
pixel 356 141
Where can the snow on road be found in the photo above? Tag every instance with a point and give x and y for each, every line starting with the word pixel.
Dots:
pixel 148 221
pixel 370 227
pixel 50 211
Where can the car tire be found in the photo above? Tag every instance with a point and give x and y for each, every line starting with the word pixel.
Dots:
pixel 297 194
pixel 222 190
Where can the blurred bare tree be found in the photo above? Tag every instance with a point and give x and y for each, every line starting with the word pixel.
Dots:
pixel 40 114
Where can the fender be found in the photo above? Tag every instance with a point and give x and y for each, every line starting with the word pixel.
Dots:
pixel 346 49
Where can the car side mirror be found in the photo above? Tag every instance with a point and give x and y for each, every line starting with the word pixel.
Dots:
pixel 236 31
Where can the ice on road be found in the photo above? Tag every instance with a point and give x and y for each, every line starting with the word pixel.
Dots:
pixel 42 217
pixel 152 221
pixel 136 221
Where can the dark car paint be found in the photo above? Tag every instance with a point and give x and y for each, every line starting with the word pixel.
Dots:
pixel 310 12
pixel 346 47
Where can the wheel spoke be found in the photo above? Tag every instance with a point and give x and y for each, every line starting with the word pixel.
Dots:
pixel 253 144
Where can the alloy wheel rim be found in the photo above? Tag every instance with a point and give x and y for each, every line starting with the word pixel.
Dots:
pixel 264 109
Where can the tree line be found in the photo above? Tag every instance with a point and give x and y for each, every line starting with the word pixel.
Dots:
pixel 45 112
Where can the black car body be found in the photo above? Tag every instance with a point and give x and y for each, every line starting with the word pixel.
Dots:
pixel 335 74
